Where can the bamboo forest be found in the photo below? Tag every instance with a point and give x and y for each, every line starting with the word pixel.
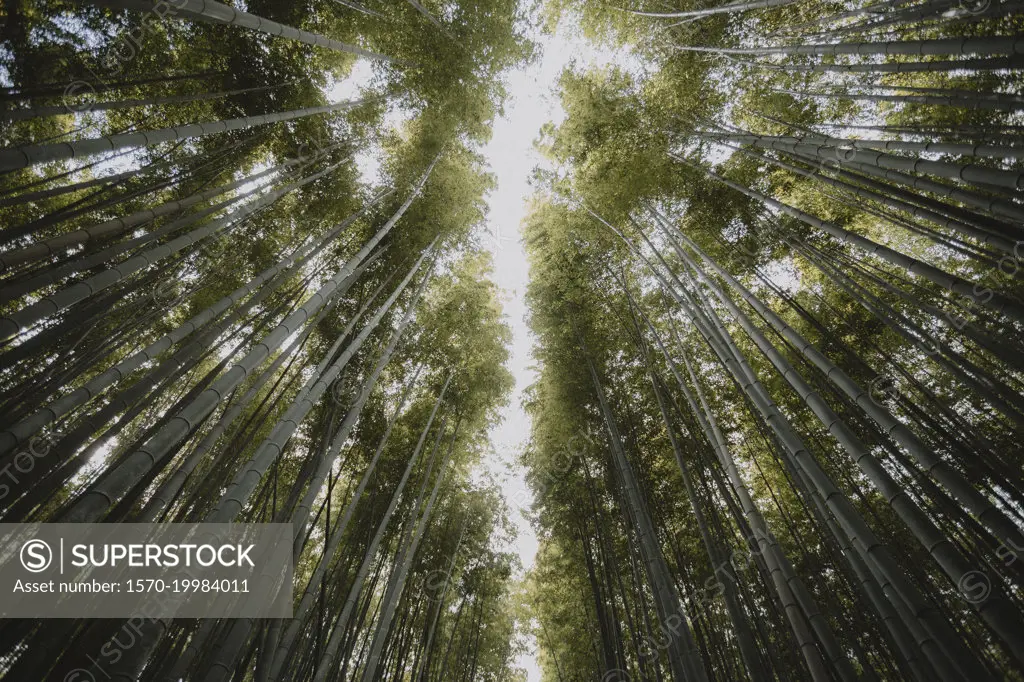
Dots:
pixel 572 340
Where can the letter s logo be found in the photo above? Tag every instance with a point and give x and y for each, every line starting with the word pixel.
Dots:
pixel 36 556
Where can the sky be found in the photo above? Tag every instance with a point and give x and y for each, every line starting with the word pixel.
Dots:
pixel 512 157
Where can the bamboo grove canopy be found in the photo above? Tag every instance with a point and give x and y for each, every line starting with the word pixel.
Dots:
pixel 776 281
pixel 776 295
pixel 211 314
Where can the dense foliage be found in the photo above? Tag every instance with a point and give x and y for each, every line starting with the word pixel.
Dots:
pixel 213 311
pixel 775 289
pixel 775 277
